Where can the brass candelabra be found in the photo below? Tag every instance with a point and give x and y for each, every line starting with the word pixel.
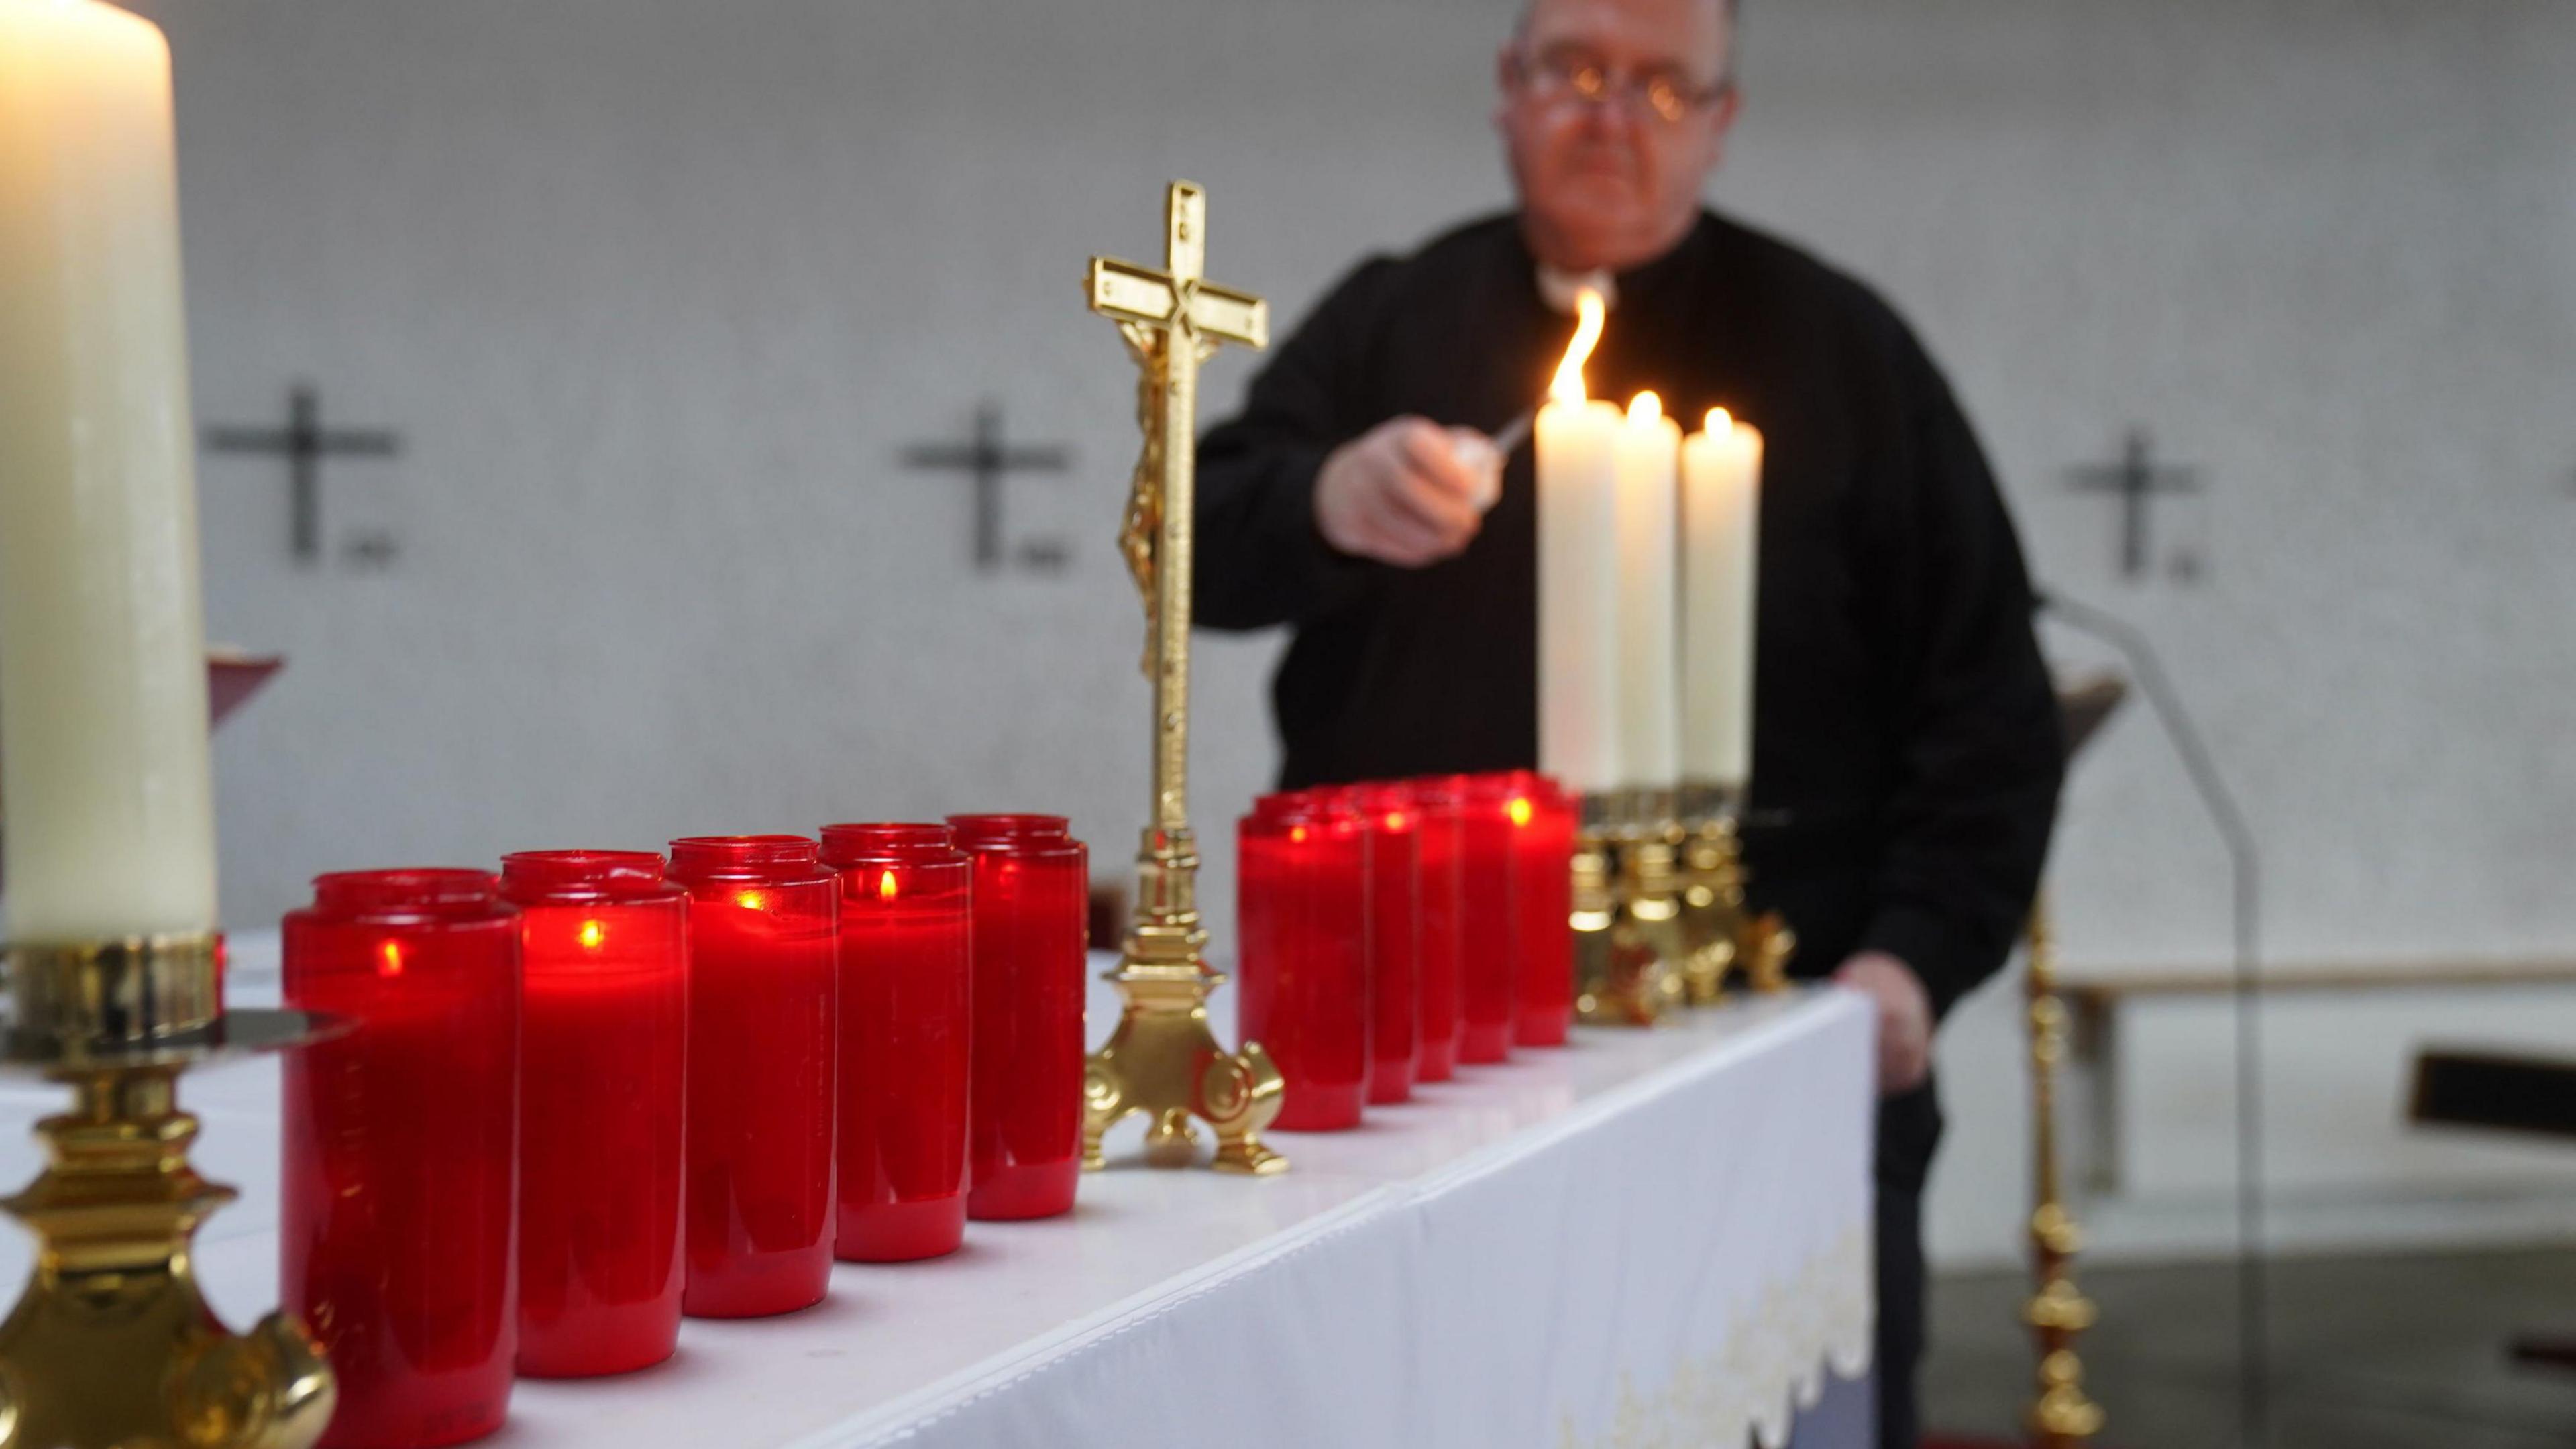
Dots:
pixel 1162 1059
pixel 2060 1416
pixel 111 1346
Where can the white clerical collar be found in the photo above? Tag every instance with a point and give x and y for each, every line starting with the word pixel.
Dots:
pixel 1559 288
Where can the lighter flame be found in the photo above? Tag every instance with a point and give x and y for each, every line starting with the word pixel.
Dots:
pixel 1645 408
pixel 1719 424
pixel 1568 387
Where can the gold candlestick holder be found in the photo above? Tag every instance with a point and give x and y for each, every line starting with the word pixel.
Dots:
pixel 1627 913
pixel 1721 933
pixel 1162 1059
pixel 111 1346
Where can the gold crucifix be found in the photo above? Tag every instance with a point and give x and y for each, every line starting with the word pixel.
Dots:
pixel 1162 1060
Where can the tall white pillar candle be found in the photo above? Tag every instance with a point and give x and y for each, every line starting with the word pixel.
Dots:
pixel 1578 562
pixel 1649 449
pixel 1721 498
pixel 104 790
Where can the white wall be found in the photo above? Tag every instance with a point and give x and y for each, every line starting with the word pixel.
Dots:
pixel 657 290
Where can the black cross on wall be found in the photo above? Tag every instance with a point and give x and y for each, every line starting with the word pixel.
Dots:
pixel 989 460
pixel 304 443
pixel 2136 478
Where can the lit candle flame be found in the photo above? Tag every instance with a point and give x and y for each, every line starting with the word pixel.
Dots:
pixel 1521 809
pixel 592 933
pixel 751 900
pixel 392 954
pixel 885 886
pixel 1719 424
pixel 1645 408
pixel 1568 387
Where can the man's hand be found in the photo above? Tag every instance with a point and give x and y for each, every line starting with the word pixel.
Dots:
pixel 1904 1017
pixel 1407 492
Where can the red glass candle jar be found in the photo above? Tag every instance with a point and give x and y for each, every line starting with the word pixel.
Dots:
pixel 1488 964
pixel 1438 801
pixel 604 949
pixel 1543 827
pixel 1394 935
pixel 906 1007
pixel 399 1152
pixel 764 1009
pixel 1302 988
pixel 1031 903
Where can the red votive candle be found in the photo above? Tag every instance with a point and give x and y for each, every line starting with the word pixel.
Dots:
pixel 764 1009
pixel 1302 987
pixel 604 949
pixel 1543 827
pixel 1394 936
pixel 1438 801
pixel 1488 964
pixel 1031 912
pixel 399 1142
pixel 907 973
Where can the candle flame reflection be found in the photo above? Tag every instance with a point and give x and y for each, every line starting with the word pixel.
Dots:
pixel 1568 386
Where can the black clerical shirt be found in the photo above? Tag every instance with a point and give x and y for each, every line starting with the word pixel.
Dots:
pixel 1906 755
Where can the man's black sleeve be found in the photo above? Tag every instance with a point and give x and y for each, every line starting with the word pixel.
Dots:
pixel 1978 755
pixel 1260 558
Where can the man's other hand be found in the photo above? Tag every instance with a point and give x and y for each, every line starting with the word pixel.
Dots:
pixel 1406 492
pixel 1904 1017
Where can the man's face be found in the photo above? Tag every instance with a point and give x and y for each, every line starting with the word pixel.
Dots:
pixel 1613 112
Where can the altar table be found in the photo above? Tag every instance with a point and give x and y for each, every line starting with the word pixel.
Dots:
pixel 1648 1237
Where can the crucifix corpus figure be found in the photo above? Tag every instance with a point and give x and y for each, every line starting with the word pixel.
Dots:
pixel 1162 1060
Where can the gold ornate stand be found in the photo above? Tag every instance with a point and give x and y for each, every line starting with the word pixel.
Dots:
pixel 2061 1416
pixel 1719 934
pixel 111 1346
pixel 1162 1059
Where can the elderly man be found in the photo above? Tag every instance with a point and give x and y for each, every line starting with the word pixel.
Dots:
pixel 1906 740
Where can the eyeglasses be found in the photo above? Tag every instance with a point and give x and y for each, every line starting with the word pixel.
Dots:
pixel 1573 76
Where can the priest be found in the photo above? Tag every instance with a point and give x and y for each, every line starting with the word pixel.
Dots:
pixel 1906 760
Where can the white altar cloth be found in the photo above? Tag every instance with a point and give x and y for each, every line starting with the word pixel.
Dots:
pixel 1647 1237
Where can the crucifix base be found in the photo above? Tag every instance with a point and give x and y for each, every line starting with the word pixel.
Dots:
pixel 1163 1059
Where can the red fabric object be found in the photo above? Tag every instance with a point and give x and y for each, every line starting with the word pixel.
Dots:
pixel 603 1034
pixel 1302 987
pixel 1031 893
pixel 907 977
pixel 399 1139
pixel 764 1028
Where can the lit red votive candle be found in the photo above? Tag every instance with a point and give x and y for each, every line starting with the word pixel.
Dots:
pixel 1387 817
pixel 1302 987
pixel 764 999
pixel 907 974
pixel 1439 802
pixel 603 1033
pixel 1543 827
pixel 1032 884
pixel 398 1196
pixel 1488 964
